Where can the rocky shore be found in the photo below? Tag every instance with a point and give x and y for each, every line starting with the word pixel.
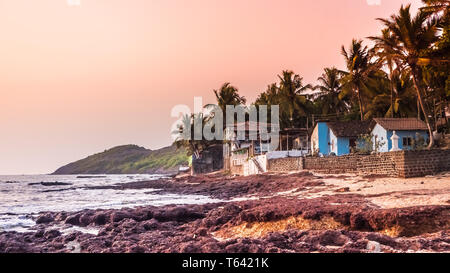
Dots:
pixel 301 212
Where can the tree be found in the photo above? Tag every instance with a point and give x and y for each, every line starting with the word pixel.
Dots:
pixel 185 134
pixel 412 37
pixel 380 88
pixel 383 50
pixel 358 64
pixel 291 97
pixel 437 6
pixel 329 89
pixel 227 95
pixel 269 97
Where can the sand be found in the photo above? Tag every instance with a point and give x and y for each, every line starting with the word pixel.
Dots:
pixel 383 192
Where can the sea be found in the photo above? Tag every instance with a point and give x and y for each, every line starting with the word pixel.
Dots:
pixel 23 197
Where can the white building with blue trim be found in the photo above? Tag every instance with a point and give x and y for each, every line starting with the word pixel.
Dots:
pixel 337 137
pixel 409 131
pixel 341 137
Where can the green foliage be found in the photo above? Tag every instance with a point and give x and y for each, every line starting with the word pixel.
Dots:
pixel 129 159
pixel 419 143
pixel 367 144
pixel 289 95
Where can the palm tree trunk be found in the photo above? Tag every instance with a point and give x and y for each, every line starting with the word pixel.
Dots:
pixel 424 111
pixel 392 100
pixel 392 90
pixel 418 109
pixel 361 109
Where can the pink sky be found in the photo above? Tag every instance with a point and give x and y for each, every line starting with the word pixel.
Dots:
pixel 75 80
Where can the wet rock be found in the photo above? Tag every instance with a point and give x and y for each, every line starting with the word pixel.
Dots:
pixel 73 220
pixel 39 233
pixel 383 239
pixel 151 224
pixel 179 214
pixel 373 247
pixel 85 219
pixel 345 189
pixel 332 238
pixel 100 219
pixel 44 219
pixel 51 234
pixel 119 216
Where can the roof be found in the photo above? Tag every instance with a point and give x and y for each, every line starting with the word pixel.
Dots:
pixel 401 124
pixel 253 126
pixel 294 132
pixel 352 128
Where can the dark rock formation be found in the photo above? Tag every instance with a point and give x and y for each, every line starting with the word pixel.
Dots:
pixel 282 224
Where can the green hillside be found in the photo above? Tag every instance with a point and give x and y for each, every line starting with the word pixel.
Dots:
pixel 129 159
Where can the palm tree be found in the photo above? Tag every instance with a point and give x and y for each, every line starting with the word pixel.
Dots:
pixel 412 37
pixel 269 97
pixel 383 50
pixel 380 87
pixel 291 97
pixel 358 64
pixel 227 95
pixel 185 134
pixel 405 96
pixel 437 6
pixel 329 89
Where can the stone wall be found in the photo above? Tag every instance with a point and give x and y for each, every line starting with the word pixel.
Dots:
pixel 421 163
pixel 396 164
pixel 287 164
pixel 332 164
pixel 238 163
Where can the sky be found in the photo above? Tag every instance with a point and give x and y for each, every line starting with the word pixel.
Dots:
pixel 81 76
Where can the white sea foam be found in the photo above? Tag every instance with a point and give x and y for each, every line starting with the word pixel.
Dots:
pixel 22 197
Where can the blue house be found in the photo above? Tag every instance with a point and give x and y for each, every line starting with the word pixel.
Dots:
pixel 337 137
pixel 407 129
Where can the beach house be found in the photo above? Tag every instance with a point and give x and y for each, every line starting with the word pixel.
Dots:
pixel 411 132
pixel 337 137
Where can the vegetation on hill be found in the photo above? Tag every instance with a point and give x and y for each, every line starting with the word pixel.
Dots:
pixel 129 159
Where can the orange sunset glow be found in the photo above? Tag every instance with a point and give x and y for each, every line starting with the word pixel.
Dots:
pixel 78 77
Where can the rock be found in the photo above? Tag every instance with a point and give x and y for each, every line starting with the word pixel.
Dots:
pixel 346 189
pixel 44 219
pixel 179 214
pixel 51 234
pixel 73 220
pixel 151 224
pixel 119 216
pixel 383 239
pixel 85 219
pixel 332 238
pixel 373 247
pixel 202 232
pixel 137 249
pixel 39 233
pixel 99 219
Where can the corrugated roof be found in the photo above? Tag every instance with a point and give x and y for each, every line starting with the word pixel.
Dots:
pixel 401 124
pixel 352 128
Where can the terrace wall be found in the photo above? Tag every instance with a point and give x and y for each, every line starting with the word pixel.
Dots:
pixel 396 164
pixel 287 164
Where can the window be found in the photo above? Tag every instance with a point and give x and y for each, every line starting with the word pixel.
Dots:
pixel 407 141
